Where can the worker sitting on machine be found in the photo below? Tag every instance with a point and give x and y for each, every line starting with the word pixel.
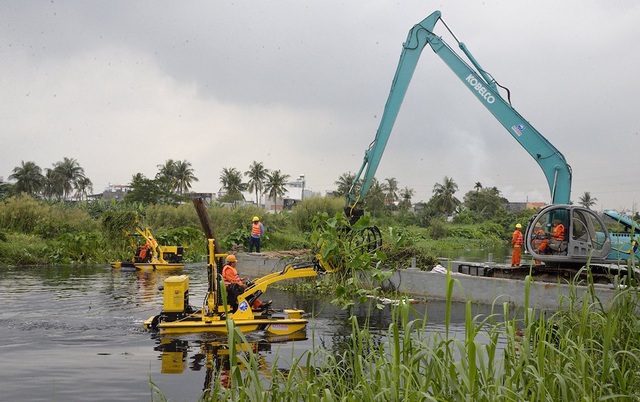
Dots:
pixel 236 285
pixel 143 253
pixel 555 239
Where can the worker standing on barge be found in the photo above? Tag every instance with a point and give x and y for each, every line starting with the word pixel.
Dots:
pixel 516 241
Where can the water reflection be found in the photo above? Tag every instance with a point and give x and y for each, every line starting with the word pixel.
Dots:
pixel 212 356
pixel 78 330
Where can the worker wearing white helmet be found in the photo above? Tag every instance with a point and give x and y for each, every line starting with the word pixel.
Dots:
pixel 517 241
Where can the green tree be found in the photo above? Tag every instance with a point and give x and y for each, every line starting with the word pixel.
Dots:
pixel 376 198
pixel 344 183
pixel 391 191
pixel 257 175
pixel 68 172
pixel 478 186
pixel 166 176
pixel 28 177
pixel 587 201
pixel 487 203
pixel 231 180
pixel 144 190
pixel 275 185
pixel 83 186
pixel 444 196
pixel 53 184
pixel 405 198
pixel 183 176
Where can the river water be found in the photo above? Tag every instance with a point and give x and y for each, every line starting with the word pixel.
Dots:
pixel 75 334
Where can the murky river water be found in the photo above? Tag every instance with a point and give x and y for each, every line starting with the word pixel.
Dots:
pixel 75 334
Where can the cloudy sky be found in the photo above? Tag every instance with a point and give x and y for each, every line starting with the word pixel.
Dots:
pixel 123 86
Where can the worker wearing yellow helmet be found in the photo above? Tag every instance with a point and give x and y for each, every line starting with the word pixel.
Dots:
pixel 236 284
pixel 257 230
pixel 517 241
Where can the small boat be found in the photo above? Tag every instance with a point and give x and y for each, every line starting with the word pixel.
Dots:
pixel 151 255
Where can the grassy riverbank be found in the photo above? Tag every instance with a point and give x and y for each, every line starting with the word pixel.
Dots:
pixel 35 232
pixel 583 352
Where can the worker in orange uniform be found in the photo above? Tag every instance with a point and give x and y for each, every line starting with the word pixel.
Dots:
pixel 557 235
pixel 257 230
pixel 235 284
pixel 516 241
pixel 539 236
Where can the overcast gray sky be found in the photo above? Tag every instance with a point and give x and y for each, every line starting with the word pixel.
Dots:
pixel 122 86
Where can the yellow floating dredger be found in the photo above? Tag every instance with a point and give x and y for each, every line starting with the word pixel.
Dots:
pixel 179 317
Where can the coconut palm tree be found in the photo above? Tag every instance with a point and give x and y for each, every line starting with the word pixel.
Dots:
pixel 183 176
pixel 68 172
pixel 166 176
pixel 257 175
pixel 376 198
pixel 444 198
pixel 53 184
pixel 405 195
pixel 391 191
pixel 344 183
pixel 587 201
pixel 231 180
pixel 83 186
pixel 478 186
pixel 275 185
pixel 29 178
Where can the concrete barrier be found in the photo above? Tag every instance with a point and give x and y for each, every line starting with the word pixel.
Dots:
pixel 430 285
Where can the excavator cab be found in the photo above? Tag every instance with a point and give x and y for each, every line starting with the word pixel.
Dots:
pixel 573 235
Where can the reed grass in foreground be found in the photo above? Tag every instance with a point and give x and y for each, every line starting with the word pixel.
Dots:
pixel 584 352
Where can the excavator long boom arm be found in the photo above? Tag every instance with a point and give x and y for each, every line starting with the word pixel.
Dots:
pixel 485 88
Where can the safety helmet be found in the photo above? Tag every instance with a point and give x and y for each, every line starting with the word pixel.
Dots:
pixel 518 226
pixel 231 258
pixel 256 219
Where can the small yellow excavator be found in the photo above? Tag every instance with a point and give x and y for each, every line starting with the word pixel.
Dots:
pixel 179 317
pixel 151 255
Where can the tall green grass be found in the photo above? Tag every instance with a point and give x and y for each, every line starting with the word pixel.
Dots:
pixel 584 352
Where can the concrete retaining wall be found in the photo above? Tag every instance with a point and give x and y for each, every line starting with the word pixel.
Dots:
pixel 430 285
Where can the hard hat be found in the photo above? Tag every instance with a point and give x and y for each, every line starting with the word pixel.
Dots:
pixel 538 224
pixel 518 226
pixel 256 219
pixel 231 258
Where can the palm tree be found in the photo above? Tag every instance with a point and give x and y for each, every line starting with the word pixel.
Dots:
pixel 68 172
pixel 167 175
pixel 183 176
pixel 53 186
pixel 257 174
pixel 376 197
pixel 444 196
pixel 29 178
pixel 344 183
pixel 587 201
pixel 478 186
pixel 83 186
pixel 275 185
pixel 405 195
pixel 391 191
pixel 231 180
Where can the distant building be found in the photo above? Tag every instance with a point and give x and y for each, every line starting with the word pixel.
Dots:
pixel 112 192
pixel 208 198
